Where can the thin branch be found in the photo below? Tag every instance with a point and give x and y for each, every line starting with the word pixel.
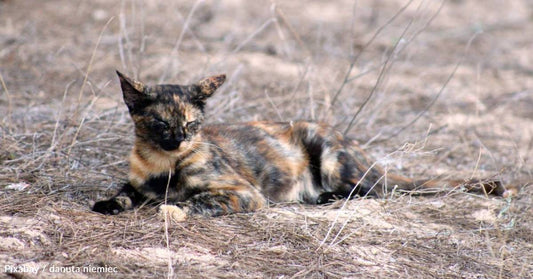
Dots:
pixel 9 105
pixel 177 45
pixel 59 115
pixel 273 105
pixel 245 41
pixel 387 67
pixel 352 192
pixel 89 67
pixel 450 76
pixel 355 58
pixel 380 77
pixel 251 36
pixel 281 15
pixel 167 237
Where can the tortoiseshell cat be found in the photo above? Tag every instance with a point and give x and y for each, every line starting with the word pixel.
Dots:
pixel 218 169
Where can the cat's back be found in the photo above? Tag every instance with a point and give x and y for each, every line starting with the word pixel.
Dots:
pixel 271 140
pixel 270 155
pixel 257 131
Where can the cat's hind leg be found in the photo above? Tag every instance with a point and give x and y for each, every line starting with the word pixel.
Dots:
pixel 346 171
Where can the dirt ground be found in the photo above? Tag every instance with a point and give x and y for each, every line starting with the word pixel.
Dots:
pixel 446 90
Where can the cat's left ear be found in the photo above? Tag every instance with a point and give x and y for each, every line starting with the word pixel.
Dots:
pixel 209 85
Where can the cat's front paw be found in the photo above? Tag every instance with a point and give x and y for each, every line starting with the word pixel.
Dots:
pixel 173 213
pixel 108 207
pixel 328 197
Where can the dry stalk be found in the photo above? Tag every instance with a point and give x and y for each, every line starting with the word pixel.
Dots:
pixel 368 43
pixel 390 60
pixel 284 20
pixel 85 115
pixel 167 237
pixel 89 66
pixel 124 32
pixel 251 36
pixel 330 230
pixel 274 106
pixel 58 118
pixel 430 104
pixel 175 49
pixel 9 106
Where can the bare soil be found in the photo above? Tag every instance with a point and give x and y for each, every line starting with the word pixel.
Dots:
pixel 446 90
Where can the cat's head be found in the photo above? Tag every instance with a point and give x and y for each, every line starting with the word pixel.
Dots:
pixel 167 116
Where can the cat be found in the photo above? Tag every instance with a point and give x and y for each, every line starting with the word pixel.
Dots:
pixel 196 169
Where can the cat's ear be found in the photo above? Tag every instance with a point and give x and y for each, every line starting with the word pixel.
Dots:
pixel 208 86
pixel 133 91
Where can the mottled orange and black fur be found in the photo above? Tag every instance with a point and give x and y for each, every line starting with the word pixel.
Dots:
pixel 218 169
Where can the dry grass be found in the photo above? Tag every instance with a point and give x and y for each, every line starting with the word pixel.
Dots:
pixel 65 133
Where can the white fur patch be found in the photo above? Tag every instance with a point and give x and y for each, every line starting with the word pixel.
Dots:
pixel 172 213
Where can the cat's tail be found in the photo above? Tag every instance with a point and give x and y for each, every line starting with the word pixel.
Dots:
pixel 434 186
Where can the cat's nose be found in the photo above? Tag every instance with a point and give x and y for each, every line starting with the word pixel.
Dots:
pixel 170 145
pixel 179 138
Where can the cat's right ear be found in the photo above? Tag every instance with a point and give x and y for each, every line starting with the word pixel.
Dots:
pixel 133 91
pixel 209 85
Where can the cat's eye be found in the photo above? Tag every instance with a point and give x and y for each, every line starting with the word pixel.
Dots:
pixel 161 123
pixel 191 125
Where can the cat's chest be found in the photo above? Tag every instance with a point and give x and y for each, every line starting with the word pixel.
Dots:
pixel 144 165
pixel 147 164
